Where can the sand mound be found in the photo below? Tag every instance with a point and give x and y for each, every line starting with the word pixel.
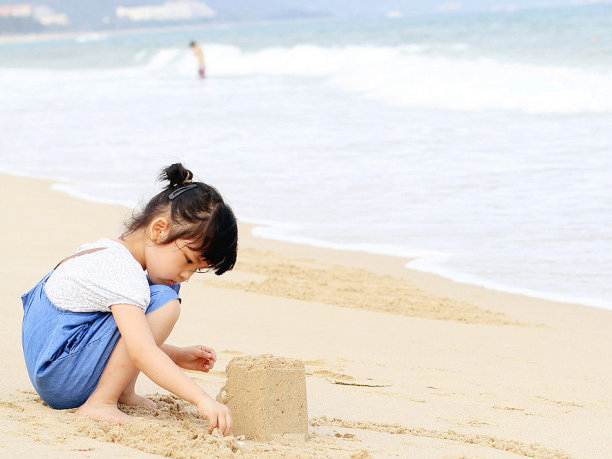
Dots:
pixel 267 396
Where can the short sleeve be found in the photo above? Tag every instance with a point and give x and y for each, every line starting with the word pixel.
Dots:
pixel 125 286
pixel 98 280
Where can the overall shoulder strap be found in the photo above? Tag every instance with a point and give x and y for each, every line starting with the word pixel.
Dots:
pixel 84 252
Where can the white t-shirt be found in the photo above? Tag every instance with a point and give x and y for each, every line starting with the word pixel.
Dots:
pixel 97 280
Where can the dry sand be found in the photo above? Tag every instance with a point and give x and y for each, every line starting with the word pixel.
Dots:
pixel 398 363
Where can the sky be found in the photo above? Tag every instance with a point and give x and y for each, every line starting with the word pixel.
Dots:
pixel 420 6
pixel 344 7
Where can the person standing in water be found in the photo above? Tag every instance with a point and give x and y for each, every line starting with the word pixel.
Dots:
pixel 197 50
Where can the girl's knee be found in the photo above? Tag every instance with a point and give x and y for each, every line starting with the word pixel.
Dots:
pixel 163 311
pixel 170 311
pixel 163 319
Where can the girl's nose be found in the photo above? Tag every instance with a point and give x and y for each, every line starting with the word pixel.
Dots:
pixel 186 275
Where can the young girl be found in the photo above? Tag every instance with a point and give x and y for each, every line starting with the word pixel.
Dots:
pixel 96 320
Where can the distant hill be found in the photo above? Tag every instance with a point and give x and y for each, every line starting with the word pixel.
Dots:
pixel 66 15
pixel 55 15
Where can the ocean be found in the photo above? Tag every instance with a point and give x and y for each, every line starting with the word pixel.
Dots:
pixel 478 145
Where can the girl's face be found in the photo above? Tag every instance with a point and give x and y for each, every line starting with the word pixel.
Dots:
pixel 173 263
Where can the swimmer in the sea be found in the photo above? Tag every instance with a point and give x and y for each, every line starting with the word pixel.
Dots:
pixel 197 50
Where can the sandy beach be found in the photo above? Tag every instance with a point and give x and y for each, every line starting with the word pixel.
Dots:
pixel 398 363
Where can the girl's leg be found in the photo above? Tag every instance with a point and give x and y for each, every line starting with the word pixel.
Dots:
pixel 119 376
pixel 131 398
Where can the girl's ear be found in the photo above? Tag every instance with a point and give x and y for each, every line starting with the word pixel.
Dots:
pixel 159 228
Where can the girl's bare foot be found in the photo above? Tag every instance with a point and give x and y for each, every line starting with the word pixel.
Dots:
pixel 133 399
pixel 103 412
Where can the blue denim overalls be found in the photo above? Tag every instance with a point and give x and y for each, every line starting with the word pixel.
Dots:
pixel 66 352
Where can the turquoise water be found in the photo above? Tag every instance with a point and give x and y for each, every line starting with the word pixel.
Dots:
pixel 477 143
pixel 576 36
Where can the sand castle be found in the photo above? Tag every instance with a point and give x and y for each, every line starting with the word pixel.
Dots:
pixel 267 396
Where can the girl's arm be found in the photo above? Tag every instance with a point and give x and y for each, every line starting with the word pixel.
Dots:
pixel 171 351
pixel 149 358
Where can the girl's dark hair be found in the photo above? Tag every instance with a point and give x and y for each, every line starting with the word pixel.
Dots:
pixel 197 213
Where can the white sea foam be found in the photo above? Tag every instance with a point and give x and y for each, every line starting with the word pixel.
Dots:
pixel 88 193
pixel 283 231
pixel 435 265
pixel 409 76
pixel 90 37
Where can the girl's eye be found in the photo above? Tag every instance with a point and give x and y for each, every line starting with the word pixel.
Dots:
pixel 188 260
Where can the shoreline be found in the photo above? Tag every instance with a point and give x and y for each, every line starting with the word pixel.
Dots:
pixel 521 307
pixel 211 25
pixel 450 276
pixel 321 247
pixel 49 36
pixel 397 362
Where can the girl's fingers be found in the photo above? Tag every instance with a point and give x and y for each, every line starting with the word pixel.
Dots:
pixel 223 424
pixel 213 423
pixel 211 352
pixel 205 352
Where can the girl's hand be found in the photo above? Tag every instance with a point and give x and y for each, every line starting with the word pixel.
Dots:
pixel 218 415
pixel 199 358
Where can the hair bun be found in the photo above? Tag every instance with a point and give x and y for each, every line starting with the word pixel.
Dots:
pixel 176 174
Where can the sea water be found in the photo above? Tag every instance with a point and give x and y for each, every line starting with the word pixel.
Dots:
pixel 479 145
